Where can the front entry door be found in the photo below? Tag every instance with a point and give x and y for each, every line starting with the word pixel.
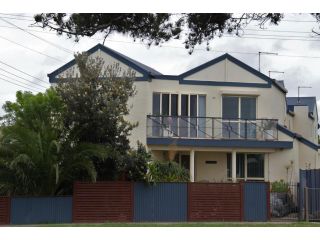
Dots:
pixel 185 161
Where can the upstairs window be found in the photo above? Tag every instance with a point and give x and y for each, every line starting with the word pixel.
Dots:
pixel 236 107
pixel 167 107
pixel 236 110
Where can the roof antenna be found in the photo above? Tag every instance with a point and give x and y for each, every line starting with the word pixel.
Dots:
pixel 265 53
pixel 299 91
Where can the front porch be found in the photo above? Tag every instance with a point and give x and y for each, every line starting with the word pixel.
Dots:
pixel 220 166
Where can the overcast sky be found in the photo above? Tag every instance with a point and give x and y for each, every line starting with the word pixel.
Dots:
pixel 290 38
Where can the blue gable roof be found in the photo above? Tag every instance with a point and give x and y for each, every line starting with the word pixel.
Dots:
pixel 311 102
pixel 241 64
pixel 139 67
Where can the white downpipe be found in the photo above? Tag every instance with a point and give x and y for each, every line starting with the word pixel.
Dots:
pixel 234 166
pixel 192 166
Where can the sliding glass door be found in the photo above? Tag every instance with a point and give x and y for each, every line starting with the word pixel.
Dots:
pixel 165 114
pixel 166 119
pixel 238 117
pixel 193 113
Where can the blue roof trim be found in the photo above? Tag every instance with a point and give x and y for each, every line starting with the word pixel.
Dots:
pixel 143 69
pixel 299 137
pixel 231 84
pixel 166 77
pixel 219 143
pixel 210 83
pixel 237 62
pixel 286 131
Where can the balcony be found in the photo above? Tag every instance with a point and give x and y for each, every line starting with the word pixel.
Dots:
pixel 211 128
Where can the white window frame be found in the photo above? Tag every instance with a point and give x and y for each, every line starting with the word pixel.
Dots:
pixel 246 168
pixel 179 104
pixel 239 121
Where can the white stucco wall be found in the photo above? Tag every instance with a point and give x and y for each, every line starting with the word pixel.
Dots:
pixel 284 164
pixel 304 125
pixel 270 101
pixel 289 122
pixel 211 172
pixel 225 71
pixel 308 157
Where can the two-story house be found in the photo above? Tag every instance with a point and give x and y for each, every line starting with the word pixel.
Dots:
pixel 223 120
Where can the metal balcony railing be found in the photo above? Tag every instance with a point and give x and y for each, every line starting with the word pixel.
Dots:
pixel 211 128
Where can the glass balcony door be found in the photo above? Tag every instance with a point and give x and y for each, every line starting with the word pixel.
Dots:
pixel 193 112
pixel 168 122
pixel 238 117
pixel 165 114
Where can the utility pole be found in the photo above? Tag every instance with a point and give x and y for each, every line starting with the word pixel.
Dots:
pixel 299 91
pixel 264 53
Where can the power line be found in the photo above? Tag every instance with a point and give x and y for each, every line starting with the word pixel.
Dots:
pixel 244 30
pixel 6 64
pixel 196 49
pixel 16 80
pixel 299 21
pixel 272 38
pixel 17 84
pixel 17 15
pixel 42 39
pixel 21 77
pixel 214 50
pixel 248 34
pixel 269 30
pixel 20 19
pixel 286 36
pixel 33 50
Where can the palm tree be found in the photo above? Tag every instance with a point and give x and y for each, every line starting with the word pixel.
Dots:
pixel 33 164
pixel 34 158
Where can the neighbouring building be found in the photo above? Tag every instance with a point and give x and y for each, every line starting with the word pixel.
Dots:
pixel 223 120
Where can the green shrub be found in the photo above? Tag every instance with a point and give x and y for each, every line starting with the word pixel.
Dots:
pixel 280 186
pixel 166 172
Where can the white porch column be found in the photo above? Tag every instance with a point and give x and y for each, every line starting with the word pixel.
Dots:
pixel 192 166
pixel 234 166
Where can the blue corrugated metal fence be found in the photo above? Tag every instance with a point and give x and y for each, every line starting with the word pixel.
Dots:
pixel 34 210
pixel 255 199
pixel 310 179
pixel 160 202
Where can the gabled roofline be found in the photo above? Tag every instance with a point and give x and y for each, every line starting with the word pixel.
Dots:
pixel 146 74
pixel 298 136
pixel 237 62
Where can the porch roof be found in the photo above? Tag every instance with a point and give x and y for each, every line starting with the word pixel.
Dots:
pixel 239 143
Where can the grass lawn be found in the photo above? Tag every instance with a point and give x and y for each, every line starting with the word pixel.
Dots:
pixel 189 224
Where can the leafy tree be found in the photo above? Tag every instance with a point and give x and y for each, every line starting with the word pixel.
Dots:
pixel 135 163
pixel 34 160
pixel 194 28
pixel 166 172
pixel 96 104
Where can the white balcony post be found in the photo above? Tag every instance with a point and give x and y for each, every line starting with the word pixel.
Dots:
pixel 234 166
pixel 192 166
